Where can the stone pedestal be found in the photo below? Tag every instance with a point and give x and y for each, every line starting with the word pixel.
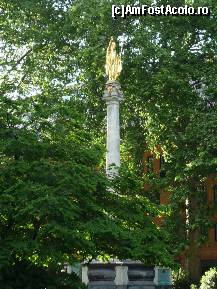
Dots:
pixel 125 275
pixel 113 95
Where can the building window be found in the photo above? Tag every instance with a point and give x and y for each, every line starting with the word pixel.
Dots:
pixel 150 164
pixel 215 193
pixel 216 232
pixel 162 166
pixel 204 231
pixel 204 194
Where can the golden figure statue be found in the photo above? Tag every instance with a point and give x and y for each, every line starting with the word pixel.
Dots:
pixel 113 64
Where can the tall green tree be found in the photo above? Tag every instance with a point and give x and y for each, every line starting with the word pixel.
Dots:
pixel 57 48
pixel 169 82
pixel 55 205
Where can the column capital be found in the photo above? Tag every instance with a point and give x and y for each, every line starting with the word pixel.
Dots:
pixel 112 91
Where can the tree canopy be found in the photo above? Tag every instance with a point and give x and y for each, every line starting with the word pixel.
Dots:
pixel 55 206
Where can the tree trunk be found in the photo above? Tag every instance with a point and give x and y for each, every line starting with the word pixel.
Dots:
pixel 192 258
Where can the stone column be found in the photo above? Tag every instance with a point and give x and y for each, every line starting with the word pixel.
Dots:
pixel 113 95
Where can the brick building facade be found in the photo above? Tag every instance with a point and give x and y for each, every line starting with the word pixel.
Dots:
pixel 207 253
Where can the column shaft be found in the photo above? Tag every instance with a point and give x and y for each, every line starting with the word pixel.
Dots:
pixel 113 136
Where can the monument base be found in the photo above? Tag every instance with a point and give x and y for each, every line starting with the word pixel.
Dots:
pixel 125 275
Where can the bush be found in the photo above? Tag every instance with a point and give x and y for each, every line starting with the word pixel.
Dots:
pixel 209 279
pixel 25 275
pixel 181 280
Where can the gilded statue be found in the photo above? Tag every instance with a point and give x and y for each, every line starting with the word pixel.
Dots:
pixel 113 64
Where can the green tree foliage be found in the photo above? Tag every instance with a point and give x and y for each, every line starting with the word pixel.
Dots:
pixel 55 205
pixel 26 275
pixel 169 83
pixel 53 49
